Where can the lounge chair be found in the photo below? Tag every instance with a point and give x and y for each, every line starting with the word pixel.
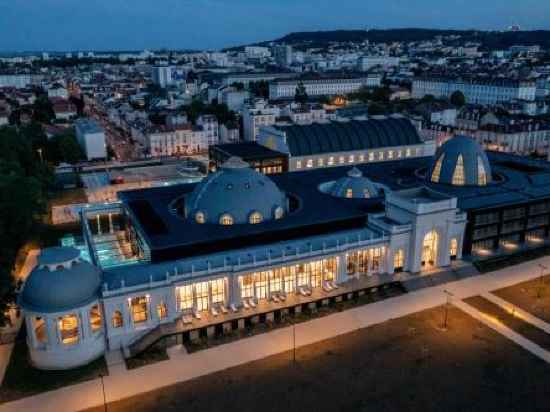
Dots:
pixel 302 291
pixel 246 305
pixel 275 298
pixel 224 309
pixel 213 311
pixel 282 296
pixel 252 303
pixel 234 308
pixel 197 315
pixel 186 319
pixel 334 285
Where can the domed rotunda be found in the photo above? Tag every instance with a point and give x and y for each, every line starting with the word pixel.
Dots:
pixel 460 161
pixel 354 186
pixel 235 194
pixel 62 311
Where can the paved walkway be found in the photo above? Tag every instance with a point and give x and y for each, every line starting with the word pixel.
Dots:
pixel 505 331
pixel 184 367
pixel 517 312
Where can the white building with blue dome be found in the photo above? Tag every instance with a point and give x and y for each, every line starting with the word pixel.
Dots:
pixel 179 262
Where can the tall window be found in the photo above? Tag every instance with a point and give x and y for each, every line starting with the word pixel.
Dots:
pixel 349 193
pixel 68 329
pixel 117 319
pixel 458 174
pixel 436 174
pixel 453 249
pixel 217 287
pixel 201 292
pixel 40 330
pixel 247 286
pixel 95 318
pixel 316 273
pixel 139 309
pixel 376 258
pixel 275 280
pixel 185 297
pixel 303 278
pixel 398 260
pixel 289 278
pixel 261 285
pixel 481 173
pixel 162 312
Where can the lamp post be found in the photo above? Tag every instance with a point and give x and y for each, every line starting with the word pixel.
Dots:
pixel 103 390
pixel 542 269
pixel 449 295
pixel 294 343
pixel 40 154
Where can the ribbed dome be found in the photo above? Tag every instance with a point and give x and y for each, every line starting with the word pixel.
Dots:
pixel 460 161
pixel 60 282
pixel 235 194
pixel 354 186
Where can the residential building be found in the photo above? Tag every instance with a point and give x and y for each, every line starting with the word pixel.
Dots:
pixel 91 138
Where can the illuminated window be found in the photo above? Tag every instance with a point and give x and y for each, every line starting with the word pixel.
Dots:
pixel 351 158
pixel 247 286
pixel 217 286
pixel 316 271
pixel 302 275
pixel 255 218
pixel 399 154
pixel 380 155
pixel 436 174
pixel 68 329
pixel 289 278
pixel 453 249
pixel 117 319
pixel 408 153
pixel 95 318
pixel 162 312
pixel 226 219
pixel 481 173
pixel 275 280
pixel 40 330
pixel 309 163
pixel 390 154
pixel 330 160
pixel 279 212
pixel 371 156
pixel 320 162
pixel 185 297
pixel 361 158
pixel 139 309
pixel 398 260
pixel 261 285
pixel 201 294
pixel 349 193
pixel 342 160
pixel 298 164
pixel 458 174
pixel 199 217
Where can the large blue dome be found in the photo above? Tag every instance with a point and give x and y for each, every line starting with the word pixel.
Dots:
pixel 460 161
pixel 355 186
pixel 60 282
pixel 235 194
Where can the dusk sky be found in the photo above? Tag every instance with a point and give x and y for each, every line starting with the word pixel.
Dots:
pixel 138 24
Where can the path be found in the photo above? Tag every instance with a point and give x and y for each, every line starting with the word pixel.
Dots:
pixel 182 368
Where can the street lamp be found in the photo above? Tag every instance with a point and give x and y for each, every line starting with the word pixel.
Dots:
pixel 449 296
pixel 40 154
pixel 103 389
pixel 542 270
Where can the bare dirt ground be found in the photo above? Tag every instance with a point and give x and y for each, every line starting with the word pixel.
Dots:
pixel 406 364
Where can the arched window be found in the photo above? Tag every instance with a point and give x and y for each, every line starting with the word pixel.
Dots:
pixel 226 219
pixel 117 319
pixel 279 212
pixel 481 173
pixel 162 312
pixel 68 329
pixel 199 217
pixel 349 193
pixel 436 174
pixel 458 174
pixel 40 330
pixel 453 250
pixel 139 309
pixel 255 218
pixel 95 318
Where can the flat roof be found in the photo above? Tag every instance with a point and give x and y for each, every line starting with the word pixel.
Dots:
pixel 248 150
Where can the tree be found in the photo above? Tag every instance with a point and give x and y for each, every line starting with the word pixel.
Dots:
pixel 458 98
pixel 64 148
pixel 259 89
pixel 301 96
pixel 43 109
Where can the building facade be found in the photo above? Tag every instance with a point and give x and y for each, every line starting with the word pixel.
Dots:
pixel 286 89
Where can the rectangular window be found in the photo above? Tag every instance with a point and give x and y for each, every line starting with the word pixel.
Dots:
pixel 371 156
pixel 261 285
pixel 184 295
pixel 139 309
pixel 275 280
pixel 201 293
pixel 303 275
pixel 289 278
pixel 298 164
pixel 398 260
pixel 68 329
pixel 40 330
pixel 247 286
pixel 162 312
pixel 218 290
pixel 316 269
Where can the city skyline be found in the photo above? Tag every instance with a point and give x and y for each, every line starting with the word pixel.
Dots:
pixel 213 24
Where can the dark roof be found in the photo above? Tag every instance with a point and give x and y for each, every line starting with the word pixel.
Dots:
pixel 247 151
pixel 348 136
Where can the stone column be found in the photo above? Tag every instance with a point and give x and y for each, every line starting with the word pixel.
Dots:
pixel 30 331
pixel 51 331
pixel 234 290
pixel 111 229
pixel 341 268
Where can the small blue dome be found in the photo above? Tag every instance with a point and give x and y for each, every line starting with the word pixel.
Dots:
pixel 235 194
pixel 354 186
pixel 60 282
pixel 460 161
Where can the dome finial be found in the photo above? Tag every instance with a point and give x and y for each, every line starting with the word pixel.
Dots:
pixel 355 172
